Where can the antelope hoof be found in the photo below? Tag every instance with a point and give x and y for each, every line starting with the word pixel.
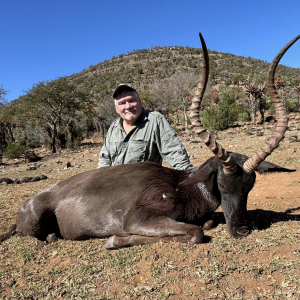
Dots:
pixel 110 244
pixel 51 238
pixel 243 231
pixel 208 225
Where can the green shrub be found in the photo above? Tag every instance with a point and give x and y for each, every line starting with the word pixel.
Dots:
pixel 223 115
pixel 13 151
pixel 227 82
pixel 272 110
pixel 30 137
pixel 182 120
pixel 73 145
pixel 170 120
pixel 175 129
pixel 292 105
pixel 268 103
pixel 244 116
pixel 33 144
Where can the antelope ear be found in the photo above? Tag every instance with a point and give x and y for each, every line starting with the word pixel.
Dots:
pixel 267 167
pixel 201 175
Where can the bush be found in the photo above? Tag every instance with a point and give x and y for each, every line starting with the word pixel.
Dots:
pixel 182 120
pixel 30 137
pixel 13 151
pixel 176 129
pixel 33 144
pixel 244 116
pixel 74 145
pixel 292 105
pixel 272 110
pixel 223 115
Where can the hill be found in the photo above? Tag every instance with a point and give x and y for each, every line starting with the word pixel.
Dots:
pixel 230 74
pixel 142 67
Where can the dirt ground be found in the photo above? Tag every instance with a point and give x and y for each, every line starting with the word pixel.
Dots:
pixel 264 265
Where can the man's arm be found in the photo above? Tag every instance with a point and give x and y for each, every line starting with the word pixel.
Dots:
pixel 170 147
pixel 104 159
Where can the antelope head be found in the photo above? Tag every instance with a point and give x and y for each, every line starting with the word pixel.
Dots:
pixel 236 173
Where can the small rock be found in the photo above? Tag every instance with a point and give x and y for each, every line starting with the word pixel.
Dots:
pixel 143 288
pixel 68 165
pixel 30 156
pixel 33 179
pixel 5 181
pixel 31 168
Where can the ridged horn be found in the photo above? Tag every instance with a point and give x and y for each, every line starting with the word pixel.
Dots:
pixel 282 120
pixel 228 165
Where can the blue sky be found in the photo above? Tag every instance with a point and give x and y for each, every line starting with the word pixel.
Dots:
pixel 43 40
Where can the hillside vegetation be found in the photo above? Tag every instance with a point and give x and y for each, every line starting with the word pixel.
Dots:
pixel 29 119
pixel 142 67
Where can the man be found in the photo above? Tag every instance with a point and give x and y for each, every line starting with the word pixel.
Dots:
pixel 140 135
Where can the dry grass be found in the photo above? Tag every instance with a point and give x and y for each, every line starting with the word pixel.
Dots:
pixel 265 265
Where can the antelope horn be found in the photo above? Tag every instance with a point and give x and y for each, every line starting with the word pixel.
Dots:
pixel 282 120
pixel 228 165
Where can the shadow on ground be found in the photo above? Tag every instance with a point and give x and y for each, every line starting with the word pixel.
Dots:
pixel 261 219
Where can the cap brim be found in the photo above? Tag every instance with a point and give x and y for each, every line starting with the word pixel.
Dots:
pixel 122 87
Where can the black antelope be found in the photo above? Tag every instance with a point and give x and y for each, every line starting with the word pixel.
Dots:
pixel 144 202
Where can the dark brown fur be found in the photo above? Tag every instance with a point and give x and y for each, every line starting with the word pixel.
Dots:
pixel 139 203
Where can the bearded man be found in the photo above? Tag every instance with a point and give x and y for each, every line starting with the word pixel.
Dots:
pixel 140 135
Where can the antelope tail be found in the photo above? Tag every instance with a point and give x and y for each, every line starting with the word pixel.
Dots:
pixel 10 232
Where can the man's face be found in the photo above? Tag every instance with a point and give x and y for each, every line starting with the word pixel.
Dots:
pixel 128 106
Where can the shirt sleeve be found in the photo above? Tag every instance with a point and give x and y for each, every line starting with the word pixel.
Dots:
pixel 104 159
pixel 170 147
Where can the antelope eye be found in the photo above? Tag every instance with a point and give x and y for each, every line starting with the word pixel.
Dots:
pixel 221 185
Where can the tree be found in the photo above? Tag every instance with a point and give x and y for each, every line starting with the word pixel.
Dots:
pixel 52 102
pixel 238 79
pixel 297 90
pixel 148 99
pixel 161 97
pixel 182 84
pixel 261 96
pixel 2 130
pixel 214 74
pixel 103 113
pixel 256 96
pixel 2 94
pixel 280 86
pixel 222 115
pixel 250 92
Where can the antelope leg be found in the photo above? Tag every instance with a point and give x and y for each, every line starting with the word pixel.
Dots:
pixel 163 229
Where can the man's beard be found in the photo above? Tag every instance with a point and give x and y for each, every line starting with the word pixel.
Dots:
pixel 133 116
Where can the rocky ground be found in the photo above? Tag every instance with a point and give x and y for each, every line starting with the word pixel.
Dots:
pixel 264 265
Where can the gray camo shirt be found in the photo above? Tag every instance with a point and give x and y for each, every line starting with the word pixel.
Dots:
pixel 150 139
